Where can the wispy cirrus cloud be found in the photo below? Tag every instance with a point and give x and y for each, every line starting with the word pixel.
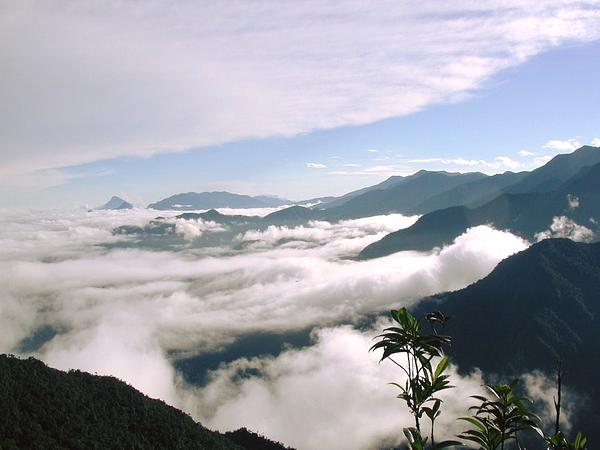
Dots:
pixel 311 165
pixel 372 171
pixel 453 161
pixel 95 80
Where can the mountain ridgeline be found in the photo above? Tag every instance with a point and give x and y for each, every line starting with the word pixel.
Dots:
pixel 525 214
pixel 46 408
pixel 536 307
pixel 207 200
pixel 398 194
pixel 524 203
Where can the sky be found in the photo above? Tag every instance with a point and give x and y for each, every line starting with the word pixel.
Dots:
pixel 144 100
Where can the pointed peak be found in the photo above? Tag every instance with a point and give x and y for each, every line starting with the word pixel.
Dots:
pixel 116 203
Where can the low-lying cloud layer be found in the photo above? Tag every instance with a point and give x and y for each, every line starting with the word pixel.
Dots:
pixel 332 395
pixel 335 395
pixel 131 312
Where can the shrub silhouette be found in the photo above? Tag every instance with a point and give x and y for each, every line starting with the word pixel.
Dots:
pixel 499 417
pixel 423 380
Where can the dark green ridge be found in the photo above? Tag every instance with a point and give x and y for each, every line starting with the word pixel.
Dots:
pixel 45 408
pixel 535 307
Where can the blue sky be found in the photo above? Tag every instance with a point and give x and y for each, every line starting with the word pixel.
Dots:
pixel 479 108
pixel 552 97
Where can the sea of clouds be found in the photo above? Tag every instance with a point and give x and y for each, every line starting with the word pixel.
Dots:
pixel 115 306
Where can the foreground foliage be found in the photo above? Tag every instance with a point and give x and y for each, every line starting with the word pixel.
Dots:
pixel 497 420
pixel 423 382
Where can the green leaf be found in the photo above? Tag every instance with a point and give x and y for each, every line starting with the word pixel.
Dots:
pixel 445 444
pixel 474 421
pixel 442 365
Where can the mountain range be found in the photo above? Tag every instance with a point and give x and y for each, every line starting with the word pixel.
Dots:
pixel 568 187
pixel 562 195
pixel 396 195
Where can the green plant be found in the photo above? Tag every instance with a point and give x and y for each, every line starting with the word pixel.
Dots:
pixel 499 418
pixel 418 442
pixel 423 381
pixel 559 442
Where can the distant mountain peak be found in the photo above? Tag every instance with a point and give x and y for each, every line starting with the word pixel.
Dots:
pixel 116 203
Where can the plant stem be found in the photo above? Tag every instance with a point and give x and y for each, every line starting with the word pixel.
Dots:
pixel 557 402
pixel 413 393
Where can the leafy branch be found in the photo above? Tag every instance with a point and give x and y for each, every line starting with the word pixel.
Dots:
pixel 423 380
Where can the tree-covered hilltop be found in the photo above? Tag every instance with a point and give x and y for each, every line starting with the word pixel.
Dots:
pixel 45 408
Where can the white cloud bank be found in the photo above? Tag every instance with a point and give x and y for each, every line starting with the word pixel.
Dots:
pixel 191 229
pixel 335 395
pixel 129 312
pixel 91 80
pixel 55 272
pixel 331 395
pixel 187 299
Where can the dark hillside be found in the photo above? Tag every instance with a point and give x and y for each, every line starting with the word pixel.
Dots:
pixel 472 194
pixel 537 306
pixel 45 408
pixel 557 171
pixel 401 197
